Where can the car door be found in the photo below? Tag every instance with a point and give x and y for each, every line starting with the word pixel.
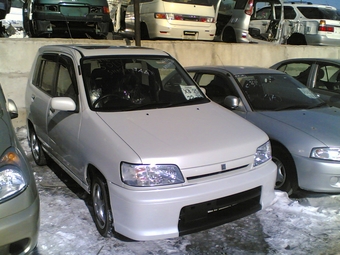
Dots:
pixel 63 126
pixel 40 93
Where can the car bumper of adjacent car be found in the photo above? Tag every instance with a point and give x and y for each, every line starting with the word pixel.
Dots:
pixel 166 213
pixel 19 227
pixel 322 40
pixel 190 31
pixel 55 22
pixel 318 175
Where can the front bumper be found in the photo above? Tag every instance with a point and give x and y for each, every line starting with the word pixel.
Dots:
pixel 157 214
pixel 318 175
pixel 19 230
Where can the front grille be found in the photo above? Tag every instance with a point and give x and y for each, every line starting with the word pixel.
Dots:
pixel 216 212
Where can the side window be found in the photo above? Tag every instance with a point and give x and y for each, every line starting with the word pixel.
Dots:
pixel 299 71
pixel 47 78
pixel 66 84
pixel 289 12
pixel 216 87
pixel 327 78
pixel 44 72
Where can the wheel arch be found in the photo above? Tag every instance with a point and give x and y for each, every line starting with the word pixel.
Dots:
pixel 297 39
pixel 231 39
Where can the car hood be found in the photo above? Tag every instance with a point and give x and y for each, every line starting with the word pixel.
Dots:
pixel 320 123
pixel 188 136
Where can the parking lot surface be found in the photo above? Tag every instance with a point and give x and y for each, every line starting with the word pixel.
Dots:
pixel 306 225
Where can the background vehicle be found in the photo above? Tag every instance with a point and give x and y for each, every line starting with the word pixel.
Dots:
pixel 303 130
pixel 169 19
pixel 320 75
pixel 261 21
pixel 19 199
pixel 70 19
pixel 129 125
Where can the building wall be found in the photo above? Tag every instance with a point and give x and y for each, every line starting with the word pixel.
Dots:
pixel 17 55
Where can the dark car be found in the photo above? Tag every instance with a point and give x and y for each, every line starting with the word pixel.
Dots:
pixel 320 75
pixel 303 129
pixel 67 18
pixel 19 199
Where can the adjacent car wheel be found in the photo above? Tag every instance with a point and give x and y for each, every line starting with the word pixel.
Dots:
pixel 38 153
pixel 286 179
pixel 101 206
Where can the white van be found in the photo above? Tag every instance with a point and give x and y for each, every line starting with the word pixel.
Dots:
pixel 170 19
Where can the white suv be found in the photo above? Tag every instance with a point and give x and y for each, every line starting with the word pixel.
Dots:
pixel 301 24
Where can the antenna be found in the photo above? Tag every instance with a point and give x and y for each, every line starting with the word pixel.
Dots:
pixel 68 29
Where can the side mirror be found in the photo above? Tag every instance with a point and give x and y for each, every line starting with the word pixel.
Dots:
pixel 12 109
pixel 231 102
pixel 63 104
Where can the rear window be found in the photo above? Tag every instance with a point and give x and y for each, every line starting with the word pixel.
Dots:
pixel 319 13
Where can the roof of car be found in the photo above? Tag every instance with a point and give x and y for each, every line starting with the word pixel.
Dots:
pixel 98 50
pixel 235 70
pixel 307 4
pixel 292 60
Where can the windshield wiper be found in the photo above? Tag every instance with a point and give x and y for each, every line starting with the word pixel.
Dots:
pixel 153 105
pixel 318 105
pixel 292 107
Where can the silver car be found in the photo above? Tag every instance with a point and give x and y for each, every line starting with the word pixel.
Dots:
pixel 19 199
pixel 303 129
pixel 158 158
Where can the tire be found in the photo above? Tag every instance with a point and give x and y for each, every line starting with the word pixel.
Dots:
pixel 144 32
pixel 38 153
pixel 101 206
pixel 286 179
pixel 229 36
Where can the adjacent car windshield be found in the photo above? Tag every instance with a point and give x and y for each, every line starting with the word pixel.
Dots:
pixel 136 83
pixel 275 92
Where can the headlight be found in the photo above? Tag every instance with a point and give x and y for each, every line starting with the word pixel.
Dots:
pixel 150 175
pixel 263 154
pixel 326 153
pixel 12 180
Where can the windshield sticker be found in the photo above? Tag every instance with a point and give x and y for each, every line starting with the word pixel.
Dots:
pixel 308 93
pixel 191 92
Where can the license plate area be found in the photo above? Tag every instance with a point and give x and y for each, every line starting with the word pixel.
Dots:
pixel 190 35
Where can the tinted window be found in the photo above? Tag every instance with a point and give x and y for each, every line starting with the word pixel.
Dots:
pixel 318 13
pixel 299 71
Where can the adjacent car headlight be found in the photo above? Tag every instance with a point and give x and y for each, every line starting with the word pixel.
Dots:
pixel 150 175
pixel 326 153
pixel 12 179
pixel 263 154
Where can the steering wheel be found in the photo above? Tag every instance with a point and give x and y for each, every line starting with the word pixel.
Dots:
pixel 100 99
pixel 273 98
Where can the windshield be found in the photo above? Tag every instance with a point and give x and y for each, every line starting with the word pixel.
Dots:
pixel 136 83
pixel 275 92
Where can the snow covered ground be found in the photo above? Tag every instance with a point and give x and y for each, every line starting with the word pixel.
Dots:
pixel 307 225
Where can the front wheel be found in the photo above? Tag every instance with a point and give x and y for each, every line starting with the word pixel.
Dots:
pixel 38 153
pixel 286 179
pixel 101 206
